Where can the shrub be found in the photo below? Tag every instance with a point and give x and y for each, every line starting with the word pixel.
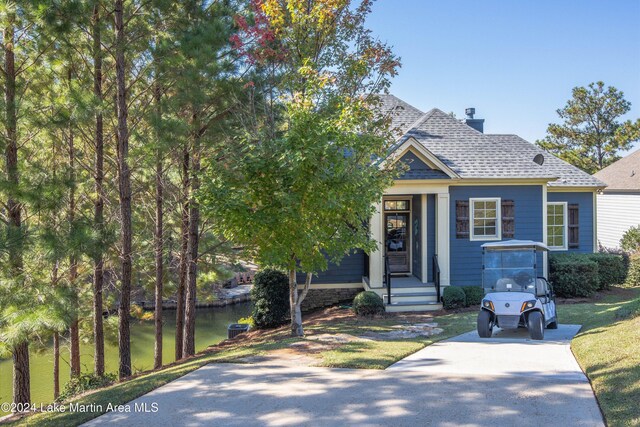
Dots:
pixel 630 241
pixel 633 277
pixel 368 303
pixel 85 382
pixel 453 297
pixel 573 275
pixel 612 269
pixel 247 321
pixel 270 296
pixel 473 295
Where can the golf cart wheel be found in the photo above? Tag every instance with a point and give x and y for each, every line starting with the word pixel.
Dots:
pixel 535 324
pixel 553 325
pixel 485 325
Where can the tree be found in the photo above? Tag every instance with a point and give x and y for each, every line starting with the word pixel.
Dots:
pixel 298 186
pixel 592 134
pixel 124 191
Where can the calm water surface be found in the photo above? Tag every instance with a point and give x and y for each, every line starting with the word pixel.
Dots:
pixel 211 328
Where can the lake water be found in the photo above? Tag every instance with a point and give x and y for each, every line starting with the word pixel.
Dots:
pixel 211 328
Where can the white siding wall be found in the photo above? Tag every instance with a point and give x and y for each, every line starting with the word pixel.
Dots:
pixel 616 213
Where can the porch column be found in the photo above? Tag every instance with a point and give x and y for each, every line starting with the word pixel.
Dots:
pixel 423 239
pixel 442 237
pixel 376 261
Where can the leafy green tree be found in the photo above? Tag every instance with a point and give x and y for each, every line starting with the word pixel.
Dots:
pixel 297 185
pixel 591 133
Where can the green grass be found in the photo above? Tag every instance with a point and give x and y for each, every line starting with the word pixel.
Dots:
pixel 608 350
pixel 381 354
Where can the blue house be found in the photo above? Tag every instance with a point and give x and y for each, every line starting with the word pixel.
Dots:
pixel 462 188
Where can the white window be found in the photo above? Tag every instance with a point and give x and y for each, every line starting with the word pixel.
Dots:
pixel 485 219
pixel 557 225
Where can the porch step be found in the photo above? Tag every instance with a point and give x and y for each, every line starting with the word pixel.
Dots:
pixel 398 307
pixel 394 293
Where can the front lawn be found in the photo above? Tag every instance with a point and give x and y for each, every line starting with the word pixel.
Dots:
pixel 608 350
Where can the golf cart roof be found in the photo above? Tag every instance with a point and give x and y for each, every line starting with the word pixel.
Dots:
pixel 514 244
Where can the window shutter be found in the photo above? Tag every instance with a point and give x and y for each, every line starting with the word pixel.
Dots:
pixel 508 219
pixel 574 222
pixel 462 219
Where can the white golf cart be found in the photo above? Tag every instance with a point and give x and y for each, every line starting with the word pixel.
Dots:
pixel 515 294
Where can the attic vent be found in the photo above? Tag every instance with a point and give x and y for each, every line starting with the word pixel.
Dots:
pixel 539 159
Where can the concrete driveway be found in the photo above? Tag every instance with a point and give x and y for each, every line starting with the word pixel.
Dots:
pixel 437 386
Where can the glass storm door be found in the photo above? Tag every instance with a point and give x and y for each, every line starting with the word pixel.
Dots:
pixel 397 241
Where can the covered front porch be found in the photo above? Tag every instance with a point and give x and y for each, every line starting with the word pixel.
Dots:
pixel 411 264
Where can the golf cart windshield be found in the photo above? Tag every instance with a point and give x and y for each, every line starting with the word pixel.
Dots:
pixel 509 270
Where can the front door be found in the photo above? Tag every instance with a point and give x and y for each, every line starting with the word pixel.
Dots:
pixel 398 236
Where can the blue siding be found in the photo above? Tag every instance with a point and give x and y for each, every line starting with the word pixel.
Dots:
pixel 419 169
pixel 416 233
pixel 584 200
pixel 466 255
pixel 350 270
pixel 431 232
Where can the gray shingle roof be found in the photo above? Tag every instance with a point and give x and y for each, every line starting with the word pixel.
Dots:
pixel 568 175
pixel 623 175
pixel 402 114
pixel 472 154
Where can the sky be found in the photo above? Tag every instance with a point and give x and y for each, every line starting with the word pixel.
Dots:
pixel 515 62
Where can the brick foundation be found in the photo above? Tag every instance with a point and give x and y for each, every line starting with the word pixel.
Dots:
pixel 318 298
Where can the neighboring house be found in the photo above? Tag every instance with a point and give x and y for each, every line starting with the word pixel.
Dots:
pixel 619 203
pixel 462 188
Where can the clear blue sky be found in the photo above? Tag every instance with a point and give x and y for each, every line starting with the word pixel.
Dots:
pixel 514 61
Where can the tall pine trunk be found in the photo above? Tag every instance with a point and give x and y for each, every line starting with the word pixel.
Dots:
pixel 184 246
pixel 98 215
pixel 189 346
pixel 158 242
pixel 74 330
pixel 124 189
pixel 21 373
pixel 56 343
pixel 56 365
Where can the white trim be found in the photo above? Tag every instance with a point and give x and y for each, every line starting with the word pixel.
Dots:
pixel 545 254
pixel 442 237
pixel 565 226
pixel 595 221
pixel 423 239
pixel 422 152
pixel 556 189
pixel 498 235
pixel 376 262
pixel 336 285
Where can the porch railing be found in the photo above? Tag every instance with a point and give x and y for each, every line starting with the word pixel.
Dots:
pixel 387 278
pixel 436 276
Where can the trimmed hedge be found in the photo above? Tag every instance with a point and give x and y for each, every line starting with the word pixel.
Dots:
pixel 612 269
pixel 453 297
pixel 270 296
pixel 573 276
pixel 368 303
pixel 473 295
